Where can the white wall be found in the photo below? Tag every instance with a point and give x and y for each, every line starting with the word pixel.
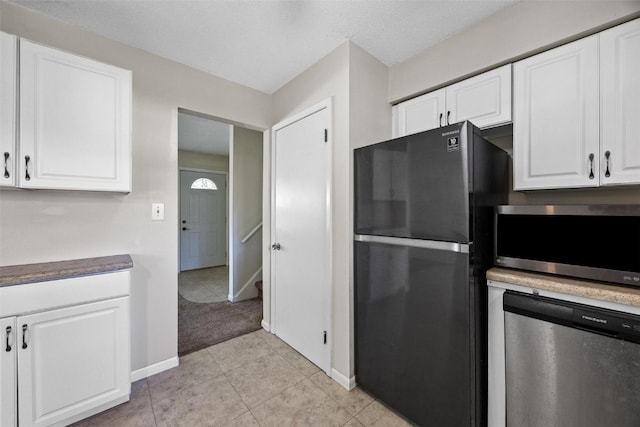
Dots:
pixel 40 226
pixel 246 212
pixel 520 30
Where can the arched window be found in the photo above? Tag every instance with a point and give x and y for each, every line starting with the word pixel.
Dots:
pixel 204 184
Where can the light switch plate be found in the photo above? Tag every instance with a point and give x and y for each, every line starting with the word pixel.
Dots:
pixel 157 211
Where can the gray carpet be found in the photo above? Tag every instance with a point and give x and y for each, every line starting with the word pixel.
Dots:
pixel 201 325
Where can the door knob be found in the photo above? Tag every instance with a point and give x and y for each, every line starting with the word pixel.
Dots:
pixel 185 228
pixel 275 246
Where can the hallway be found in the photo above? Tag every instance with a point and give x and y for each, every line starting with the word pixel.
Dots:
pixel 205 316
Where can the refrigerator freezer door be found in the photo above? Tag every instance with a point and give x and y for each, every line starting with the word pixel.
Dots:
pixel 416 186
pixel 413 331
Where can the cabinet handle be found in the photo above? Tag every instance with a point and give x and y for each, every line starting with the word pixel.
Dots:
pixel 440 121
pixel 591 175
pixel 448 114
pixel 8 348
pixel 6 164
pixel 606 172
pixel 26 168
pixel 24 336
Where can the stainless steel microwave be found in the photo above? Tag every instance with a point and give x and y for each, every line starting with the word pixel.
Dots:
pixel 595 242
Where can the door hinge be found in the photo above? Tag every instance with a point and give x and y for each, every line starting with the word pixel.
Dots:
pixel 326 135
pixel 325 337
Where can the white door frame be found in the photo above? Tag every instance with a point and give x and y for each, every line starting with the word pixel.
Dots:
pixel 226 195
pixel 328 303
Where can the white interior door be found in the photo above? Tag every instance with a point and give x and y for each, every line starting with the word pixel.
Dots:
pixel 203 211
pixel 301 232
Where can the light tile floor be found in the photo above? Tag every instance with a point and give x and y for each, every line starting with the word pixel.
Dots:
pixel 252 380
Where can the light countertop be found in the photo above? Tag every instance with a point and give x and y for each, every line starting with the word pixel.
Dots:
pixel 584 288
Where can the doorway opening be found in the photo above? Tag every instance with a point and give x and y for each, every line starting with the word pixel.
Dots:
pixel 220 197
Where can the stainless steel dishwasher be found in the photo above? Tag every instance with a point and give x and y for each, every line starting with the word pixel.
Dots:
pixel 570 364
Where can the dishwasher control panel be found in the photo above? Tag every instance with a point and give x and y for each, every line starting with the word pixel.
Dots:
pixel 611 323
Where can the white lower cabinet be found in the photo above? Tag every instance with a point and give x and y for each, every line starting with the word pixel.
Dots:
pixel 8 373
pixel 62 365
pixel 72 360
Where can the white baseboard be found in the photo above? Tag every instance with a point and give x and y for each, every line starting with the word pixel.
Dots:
pixel 248 290
pixel 156 368
pixel 346 382
pixel 265 325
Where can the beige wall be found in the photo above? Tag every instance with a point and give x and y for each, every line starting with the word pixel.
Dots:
pixel 209 162
pixel 357 84
pixel 246 212
pixel 328 78
pixel 39 226
pixel 520 30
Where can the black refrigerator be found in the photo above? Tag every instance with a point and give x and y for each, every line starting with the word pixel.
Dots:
pixel 424 207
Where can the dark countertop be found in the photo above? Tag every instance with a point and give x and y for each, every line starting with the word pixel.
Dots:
pixel 29 273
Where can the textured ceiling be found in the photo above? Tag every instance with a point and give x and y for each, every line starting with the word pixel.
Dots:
pixel 265 43
pixel 203 135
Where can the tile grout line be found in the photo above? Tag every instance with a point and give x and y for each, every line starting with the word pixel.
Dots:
pixel 274 351
pixel 153 409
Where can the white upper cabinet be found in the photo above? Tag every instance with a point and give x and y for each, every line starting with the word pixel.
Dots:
pixel 556 117
pixel 485 100
pixel 75 122
pixel 8 68
pixel 577 113
pixel 419 114
pixel 620 100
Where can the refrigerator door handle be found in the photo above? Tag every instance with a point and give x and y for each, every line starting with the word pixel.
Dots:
pixel 415 243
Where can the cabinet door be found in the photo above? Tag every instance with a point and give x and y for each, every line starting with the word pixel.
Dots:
pixel 8 100
pixel 485 99
pixel 419 114
pixel 556 118
pixel 76 359
pixel 74 122
pixel 8 388
pixel 620 97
